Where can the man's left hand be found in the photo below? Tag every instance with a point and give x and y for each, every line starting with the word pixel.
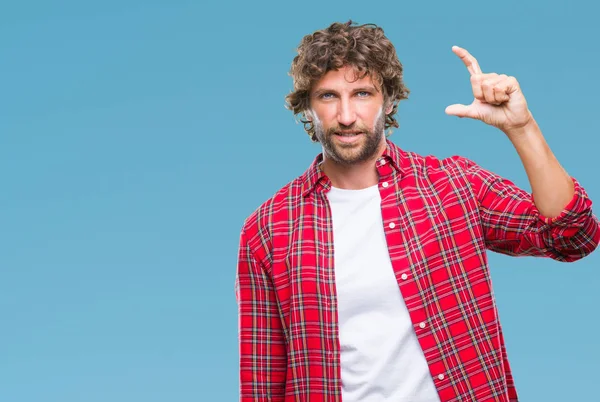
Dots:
pixel 498 98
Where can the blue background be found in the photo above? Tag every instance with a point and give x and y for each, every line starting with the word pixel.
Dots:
pixel 135 137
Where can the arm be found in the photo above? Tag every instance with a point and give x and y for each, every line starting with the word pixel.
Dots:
pixel 557 221
pixel 512 223
pixel 261 339
pixel 551 186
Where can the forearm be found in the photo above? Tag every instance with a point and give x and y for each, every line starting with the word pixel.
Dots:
pixel 551 186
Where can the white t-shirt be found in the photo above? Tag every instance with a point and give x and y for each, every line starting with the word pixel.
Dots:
pixel 381 359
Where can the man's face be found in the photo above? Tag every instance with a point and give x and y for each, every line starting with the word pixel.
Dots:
pixel 348 116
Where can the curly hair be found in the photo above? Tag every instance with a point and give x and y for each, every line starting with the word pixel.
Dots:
pixel 364 47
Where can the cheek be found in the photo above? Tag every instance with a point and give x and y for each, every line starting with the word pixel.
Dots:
pixel 323 116
pixel 374 116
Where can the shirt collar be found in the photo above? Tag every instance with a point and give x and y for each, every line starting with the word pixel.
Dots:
pixel 315 179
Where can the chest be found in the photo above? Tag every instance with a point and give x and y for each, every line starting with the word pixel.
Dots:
pixel 429 235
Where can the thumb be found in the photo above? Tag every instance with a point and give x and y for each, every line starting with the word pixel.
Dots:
pixel 461 111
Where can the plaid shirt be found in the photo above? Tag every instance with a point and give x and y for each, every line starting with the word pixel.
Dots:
pixel 439 218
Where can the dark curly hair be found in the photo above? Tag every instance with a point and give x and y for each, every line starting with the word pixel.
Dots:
pixel 363 47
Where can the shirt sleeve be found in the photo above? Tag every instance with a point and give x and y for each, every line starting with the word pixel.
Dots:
pixel 513 225
pixel 262 348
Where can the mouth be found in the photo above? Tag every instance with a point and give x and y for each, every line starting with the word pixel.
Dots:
pixel 348 136
pixel 348 133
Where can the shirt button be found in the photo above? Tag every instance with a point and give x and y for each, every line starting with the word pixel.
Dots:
pixel 404 276
pixel 384 184
pixel 422 325
pixel 440 377
pixel 392 225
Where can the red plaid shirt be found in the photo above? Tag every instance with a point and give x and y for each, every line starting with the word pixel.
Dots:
pixel 439 218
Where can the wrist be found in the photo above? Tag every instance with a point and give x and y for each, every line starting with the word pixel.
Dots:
pixel 524 132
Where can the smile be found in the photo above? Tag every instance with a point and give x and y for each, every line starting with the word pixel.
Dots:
pixel 348 134
pixel 348 138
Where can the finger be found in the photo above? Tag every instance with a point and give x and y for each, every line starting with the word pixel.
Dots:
pixel 461 111
pixel 476 80
pixel 469 61
pixel 488 86
pixel 499 88
pixel 502 90
pixel 494 88
pixel 512 85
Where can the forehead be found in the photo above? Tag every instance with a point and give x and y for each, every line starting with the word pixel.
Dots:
pixel 346 77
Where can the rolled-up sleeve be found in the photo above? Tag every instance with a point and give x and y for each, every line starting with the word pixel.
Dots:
pixel 263 358
pixel 513 225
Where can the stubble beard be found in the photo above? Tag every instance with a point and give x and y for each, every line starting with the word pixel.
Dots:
pixel 348 154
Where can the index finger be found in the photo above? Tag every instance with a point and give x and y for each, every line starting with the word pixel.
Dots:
pixel 468 59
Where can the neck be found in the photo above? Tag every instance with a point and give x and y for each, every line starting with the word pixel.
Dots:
pixel 355 176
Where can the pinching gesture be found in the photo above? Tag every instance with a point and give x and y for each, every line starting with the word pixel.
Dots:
pixel 498 101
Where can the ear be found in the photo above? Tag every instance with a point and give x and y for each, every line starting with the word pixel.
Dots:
pixel 389 108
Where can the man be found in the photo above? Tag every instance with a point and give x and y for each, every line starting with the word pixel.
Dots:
pixel 366 278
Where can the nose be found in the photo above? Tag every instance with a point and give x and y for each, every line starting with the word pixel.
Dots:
pixel 346 113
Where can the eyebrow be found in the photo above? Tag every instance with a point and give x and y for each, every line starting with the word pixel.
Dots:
pixel 367 89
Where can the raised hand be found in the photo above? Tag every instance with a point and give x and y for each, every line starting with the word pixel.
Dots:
pixel 498 98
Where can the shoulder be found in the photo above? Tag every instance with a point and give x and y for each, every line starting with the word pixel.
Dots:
pixel 445 174
pixel 454 165
pixel 454 172
pixel 261 220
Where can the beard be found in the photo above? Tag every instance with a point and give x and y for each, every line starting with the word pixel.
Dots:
pixel 347 154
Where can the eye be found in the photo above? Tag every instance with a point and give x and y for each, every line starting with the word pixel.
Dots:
pixel 363 94
pixel 326 95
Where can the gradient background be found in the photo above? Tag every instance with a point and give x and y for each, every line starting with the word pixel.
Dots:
pixel 136 136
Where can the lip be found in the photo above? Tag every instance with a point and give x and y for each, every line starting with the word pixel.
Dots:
pixel 350 139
